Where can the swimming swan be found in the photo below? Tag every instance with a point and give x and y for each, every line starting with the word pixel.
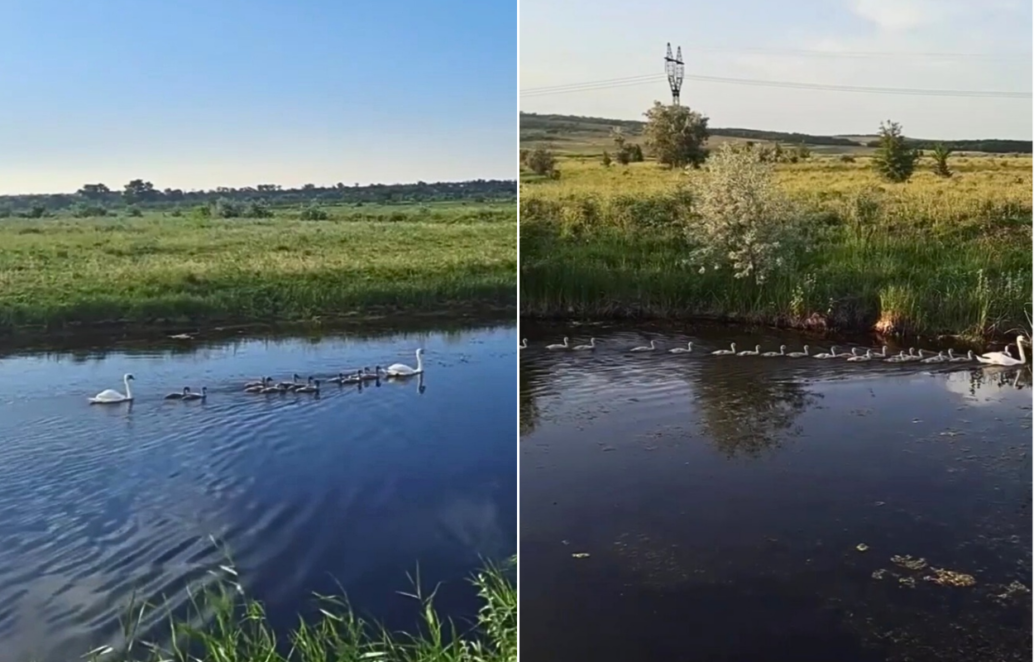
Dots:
pixel 644 348
pixel 681 350
pixel 959 359
pixel 747 352
pixel 191 395
pixel 781 352
pixel 936 358
pixel 368 376
pixel 312 387
pixel 179 395
pixel 403 370
pixel 865 357
pixel 524 344
pixel 254 384
pixel 257 387
pixel 831 354
pixel 725 352
pixel 901 357
pixel 108 396
pixel 289 385
pixel 590 346
pixel 1004 358
pixel 558 346
pixel 798 355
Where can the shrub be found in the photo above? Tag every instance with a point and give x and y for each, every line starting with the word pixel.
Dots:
pixel 541 161
pixel 313 213
pixel 745 222
pixel 894 160
pixel 134 211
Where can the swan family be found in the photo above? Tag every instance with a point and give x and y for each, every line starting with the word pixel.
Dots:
pixel 269 386
pixel 855 355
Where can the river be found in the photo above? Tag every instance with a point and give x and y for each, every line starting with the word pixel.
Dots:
pixel 699 507
pixel 351 489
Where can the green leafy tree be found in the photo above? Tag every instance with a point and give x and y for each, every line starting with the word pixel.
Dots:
pixel 676 135
pixel 894 159
pixel 139 191
pixel 940 160
pixel 93 191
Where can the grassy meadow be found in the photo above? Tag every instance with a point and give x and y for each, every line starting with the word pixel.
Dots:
pixel 931 256
pixel 222 625
pixel 164 268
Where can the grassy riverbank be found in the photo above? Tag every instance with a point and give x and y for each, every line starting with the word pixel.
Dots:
pixel 235 629
pixel 932 256
pixel 163 269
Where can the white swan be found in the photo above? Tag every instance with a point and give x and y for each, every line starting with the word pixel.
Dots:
pixel 524 344
pixel 798 355
pixel 108 396
pixel 901 357
pixel 912 356
pixel 681 350
pixel 936 358
pixel 559 346
pixel 725 352
pixel 1004 358
pixel 644 348
pixel 831 354
pixel 194 395
pixel 864 357
pixel 403 370
pixel 590 346
pixel 781 352
pixel 747 352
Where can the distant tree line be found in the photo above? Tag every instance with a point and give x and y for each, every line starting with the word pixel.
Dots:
pixel 94 199
pixel 535 126
pixel 990 145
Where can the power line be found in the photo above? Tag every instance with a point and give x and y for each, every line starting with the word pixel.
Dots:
pixel 593 86
pixel 864 54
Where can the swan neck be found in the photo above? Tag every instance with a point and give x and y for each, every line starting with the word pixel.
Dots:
pixel 125 380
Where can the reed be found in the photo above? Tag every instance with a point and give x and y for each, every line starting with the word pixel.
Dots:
pixel 932 256
pixel 221 624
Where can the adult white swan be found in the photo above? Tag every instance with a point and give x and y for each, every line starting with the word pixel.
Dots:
pixel 681 350
pixel 524 343
pixel 725 352
pixel 109 396
pixel 781 352
pixel 861 357
pixel 1004 358
pixel 590 346
pixel 747 352
pixel 559 346
pixel 798 355
pixel 644 348
pixel 831 354
pixel 403 370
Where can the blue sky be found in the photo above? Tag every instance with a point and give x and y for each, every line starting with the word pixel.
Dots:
pixel 198 94
pixel 589 40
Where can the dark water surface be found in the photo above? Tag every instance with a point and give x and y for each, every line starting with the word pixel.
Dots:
pixel 355 488
pixel 696 507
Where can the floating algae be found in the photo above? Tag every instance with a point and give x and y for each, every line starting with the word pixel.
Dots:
pixel 908 562
pixel 950 578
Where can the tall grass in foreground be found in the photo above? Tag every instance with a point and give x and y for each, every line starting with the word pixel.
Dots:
pixel 931 256
pixel 222 625
pixel 154 270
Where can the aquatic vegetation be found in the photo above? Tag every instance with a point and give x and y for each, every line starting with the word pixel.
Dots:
pixel 233 627
pixel 950 578
pixel 155 270
pixel 908 562
pixel 938 255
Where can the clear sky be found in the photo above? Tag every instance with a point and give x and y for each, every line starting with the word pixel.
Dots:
pixel 579 41
pixel 199 94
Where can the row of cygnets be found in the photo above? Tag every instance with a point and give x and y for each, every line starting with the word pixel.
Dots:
pixel 855 355
pixel 269 386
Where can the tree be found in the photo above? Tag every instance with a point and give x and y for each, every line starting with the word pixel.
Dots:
pixel 606 160
pixel 676 135
pixel 93 191
pixel 894 160
pixel 139 191
pixel 745 223
pixel 541 161
pixel 940 160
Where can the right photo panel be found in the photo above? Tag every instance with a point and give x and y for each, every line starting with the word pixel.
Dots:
pixel 775 298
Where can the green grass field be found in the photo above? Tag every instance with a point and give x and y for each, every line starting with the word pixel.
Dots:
pixel 932 256
pixel 222 625
pixel 161 269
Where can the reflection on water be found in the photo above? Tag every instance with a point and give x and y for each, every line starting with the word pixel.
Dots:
pixel 354 488
pixel 734 508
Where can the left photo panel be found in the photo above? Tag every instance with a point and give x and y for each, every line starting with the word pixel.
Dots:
pixel 258 331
